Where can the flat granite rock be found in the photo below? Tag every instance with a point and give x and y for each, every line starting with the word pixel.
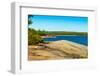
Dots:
pixel 61 49
pixel 70 48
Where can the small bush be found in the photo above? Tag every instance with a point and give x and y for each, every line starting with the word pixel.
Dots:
pixel 34 37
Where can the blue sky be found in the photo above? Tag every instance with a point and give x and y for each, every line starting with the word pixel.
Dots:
pixel 59 23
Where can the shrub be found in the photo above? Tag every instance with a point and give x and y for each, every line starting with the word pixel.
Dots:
pixel 34 37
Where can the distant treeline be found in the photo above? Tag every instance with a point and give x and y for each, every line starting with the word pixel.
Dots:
pixel 35 36
pixel 66 33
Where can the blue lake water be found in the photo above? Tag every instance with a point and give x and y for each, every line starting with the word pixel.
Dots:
pixel 77 39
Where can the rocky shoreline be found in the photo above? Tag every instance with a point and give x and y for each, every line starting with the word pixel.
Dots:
pixel 61 49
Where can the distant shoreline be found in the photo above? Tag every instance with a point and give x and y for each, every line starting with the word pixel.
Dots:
pixel 57 35
pixel 62 35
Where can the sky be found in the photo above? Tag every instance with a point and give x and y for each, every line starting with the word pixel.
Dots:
pixel 59 23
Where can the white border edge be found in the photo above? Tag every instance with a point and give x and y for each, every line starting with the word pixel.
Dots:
pixel 12 37
pixel 15 38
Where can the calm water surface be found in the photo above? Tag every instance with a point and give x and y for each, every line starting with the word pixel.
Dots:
pixel 77 39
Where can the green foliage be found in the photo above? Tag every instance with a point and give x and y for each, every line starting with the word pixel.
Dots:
pixel 34 37
pixel 42 32
pixel 29 21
